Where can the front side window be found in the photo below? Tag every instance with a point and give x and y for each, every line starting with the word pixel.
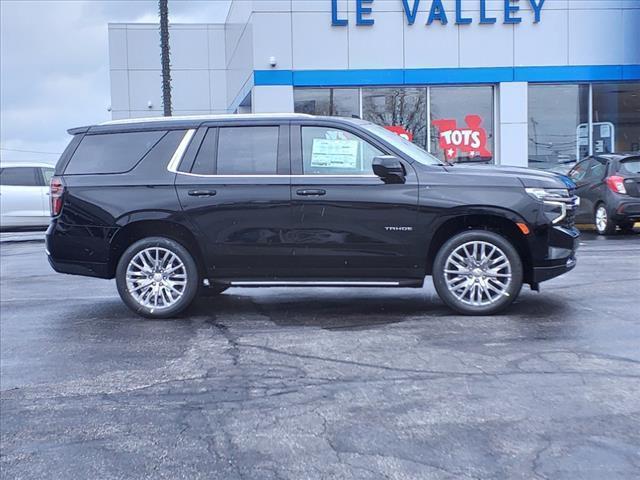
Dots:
pixel 331 151
pixel 111 152
pixel 20 177
pixel 247 151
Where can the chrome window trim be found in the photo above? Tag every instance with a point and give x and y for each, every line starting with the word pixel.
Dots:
pixel 174 163
pixel 177 156
pixel 274 176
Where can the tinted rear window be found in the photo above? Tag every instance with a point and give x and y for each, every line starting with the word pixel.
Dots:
pixel 247 151
pixel 631 166
pixel 111 152
pixel 20 176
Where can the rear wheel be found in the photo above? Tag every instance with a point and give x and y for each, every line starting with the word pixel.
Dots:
pixel 604 224
pixel 157 277
pixel 478 273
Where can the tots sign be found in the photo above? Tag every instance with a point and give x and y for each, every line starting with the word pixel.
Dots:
pixel 471 140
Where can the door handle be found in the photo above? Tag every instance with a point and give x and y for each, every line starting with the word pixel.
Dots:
pixel 202 193
pixel 312 192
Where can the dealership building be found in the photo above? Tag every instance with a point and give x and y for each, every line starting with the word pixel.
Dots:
pixel 513 82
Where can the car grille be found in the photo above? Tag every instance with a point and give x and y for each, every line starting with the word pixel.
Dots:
pixel 569 221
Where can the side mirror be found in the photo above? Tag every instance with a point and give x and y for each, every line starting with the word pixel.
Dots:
pixel 389 169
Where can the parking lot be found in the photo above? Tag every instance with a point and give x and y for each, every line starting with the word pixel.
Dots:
pixel 322 383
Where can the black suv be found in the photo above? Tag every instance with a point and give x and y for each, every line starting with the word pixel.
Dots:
pixel 174 207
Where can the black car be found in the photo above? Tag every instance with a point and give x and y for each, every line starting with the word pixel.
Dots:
pixel 174 207
pixel 609 191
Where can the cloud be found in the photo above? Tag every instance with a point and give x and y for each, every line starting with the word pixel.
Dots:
pixel 54 64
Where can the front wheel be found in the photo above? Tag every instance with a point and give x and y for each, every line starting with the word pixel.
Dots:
pixel 157 277
pixel 478 273
pixel 604 224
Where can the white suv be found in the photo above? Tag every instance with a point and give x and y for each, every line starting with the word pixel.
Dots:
pixel 24 195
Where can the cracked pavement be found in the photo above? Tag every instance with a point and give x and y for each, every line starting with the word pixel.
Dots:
pixel 322 383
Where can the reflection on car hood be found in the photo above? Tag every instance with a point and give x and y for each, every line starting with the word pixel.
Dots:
pixel 529 177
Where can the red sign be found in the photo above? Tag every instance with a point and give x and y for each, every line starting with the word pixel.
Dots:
pixel 403 132
pixel 471 140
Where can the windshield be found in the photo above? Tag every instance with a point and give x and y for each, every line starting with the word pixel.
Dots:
pixel 404 145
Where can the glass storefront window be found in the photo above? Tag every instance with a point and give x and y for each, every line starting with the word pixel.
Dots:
pixel 616 117
pixel 341 102
pixel 462 124
pixel 558 126
pixel 398 107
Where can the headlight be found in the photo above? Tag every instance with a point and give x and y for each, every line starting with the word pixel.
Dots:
pixel 555 200
pixel 552 194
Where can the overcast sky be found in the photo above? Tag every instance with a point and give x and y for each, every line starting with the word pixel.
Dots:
pixel 54 61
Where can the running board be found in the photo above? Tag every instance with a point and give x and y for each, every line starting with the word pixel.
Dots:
pixel 411 282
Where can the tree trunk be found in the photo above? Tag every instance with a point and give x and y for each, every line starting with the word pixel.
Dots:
pixel 166 61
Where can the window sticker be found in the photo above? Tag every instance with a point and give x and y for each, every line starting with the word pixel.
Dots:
pixel 334 153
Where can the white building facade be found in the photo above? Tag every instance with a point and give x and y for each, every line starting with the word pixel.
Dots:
pixel 515 82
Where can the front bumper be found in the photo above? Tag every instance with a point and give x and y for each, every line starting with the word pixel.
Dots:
pixel 560 254
pixel 541 274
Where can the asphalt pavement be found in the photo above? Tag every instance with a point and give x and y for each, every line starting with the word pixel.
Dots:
pixel 322 383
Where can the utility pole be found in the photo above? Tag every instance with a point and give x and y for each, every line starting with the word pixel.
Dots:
pixel 166 61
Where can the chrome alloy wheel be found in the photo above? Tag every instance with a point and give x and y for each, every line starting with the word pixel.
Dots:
pixel 602 219
pixel 156 278
pixel 478 273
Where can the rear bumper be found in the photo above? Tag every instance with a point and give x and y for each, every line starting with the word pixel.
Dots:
pixel 99 270
pixel 626 210
pixel 79 250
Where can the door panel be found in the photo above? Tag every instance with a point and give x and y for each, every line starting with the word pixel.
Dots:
pixel 241 218
pixel 241 221
pixel 351 225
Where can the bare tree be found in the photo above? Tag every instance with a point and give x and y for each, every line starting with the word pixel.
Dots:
pixel 166 60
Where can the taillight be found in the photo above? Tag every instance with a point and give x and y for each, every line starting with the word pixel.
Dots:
pixel 56 189
pixel 616 184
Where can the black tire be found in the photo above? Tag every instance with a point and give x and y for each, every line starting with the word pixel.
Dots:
pixel 212 290
pixel 606 226
pixel 511 288
pixel 190 288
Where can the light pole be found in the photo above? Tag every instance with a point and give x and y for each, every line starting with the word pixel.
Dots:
pixel 165 53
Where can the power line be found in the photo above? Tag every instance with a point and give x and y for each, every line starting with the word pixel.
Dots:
pixel 29 151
